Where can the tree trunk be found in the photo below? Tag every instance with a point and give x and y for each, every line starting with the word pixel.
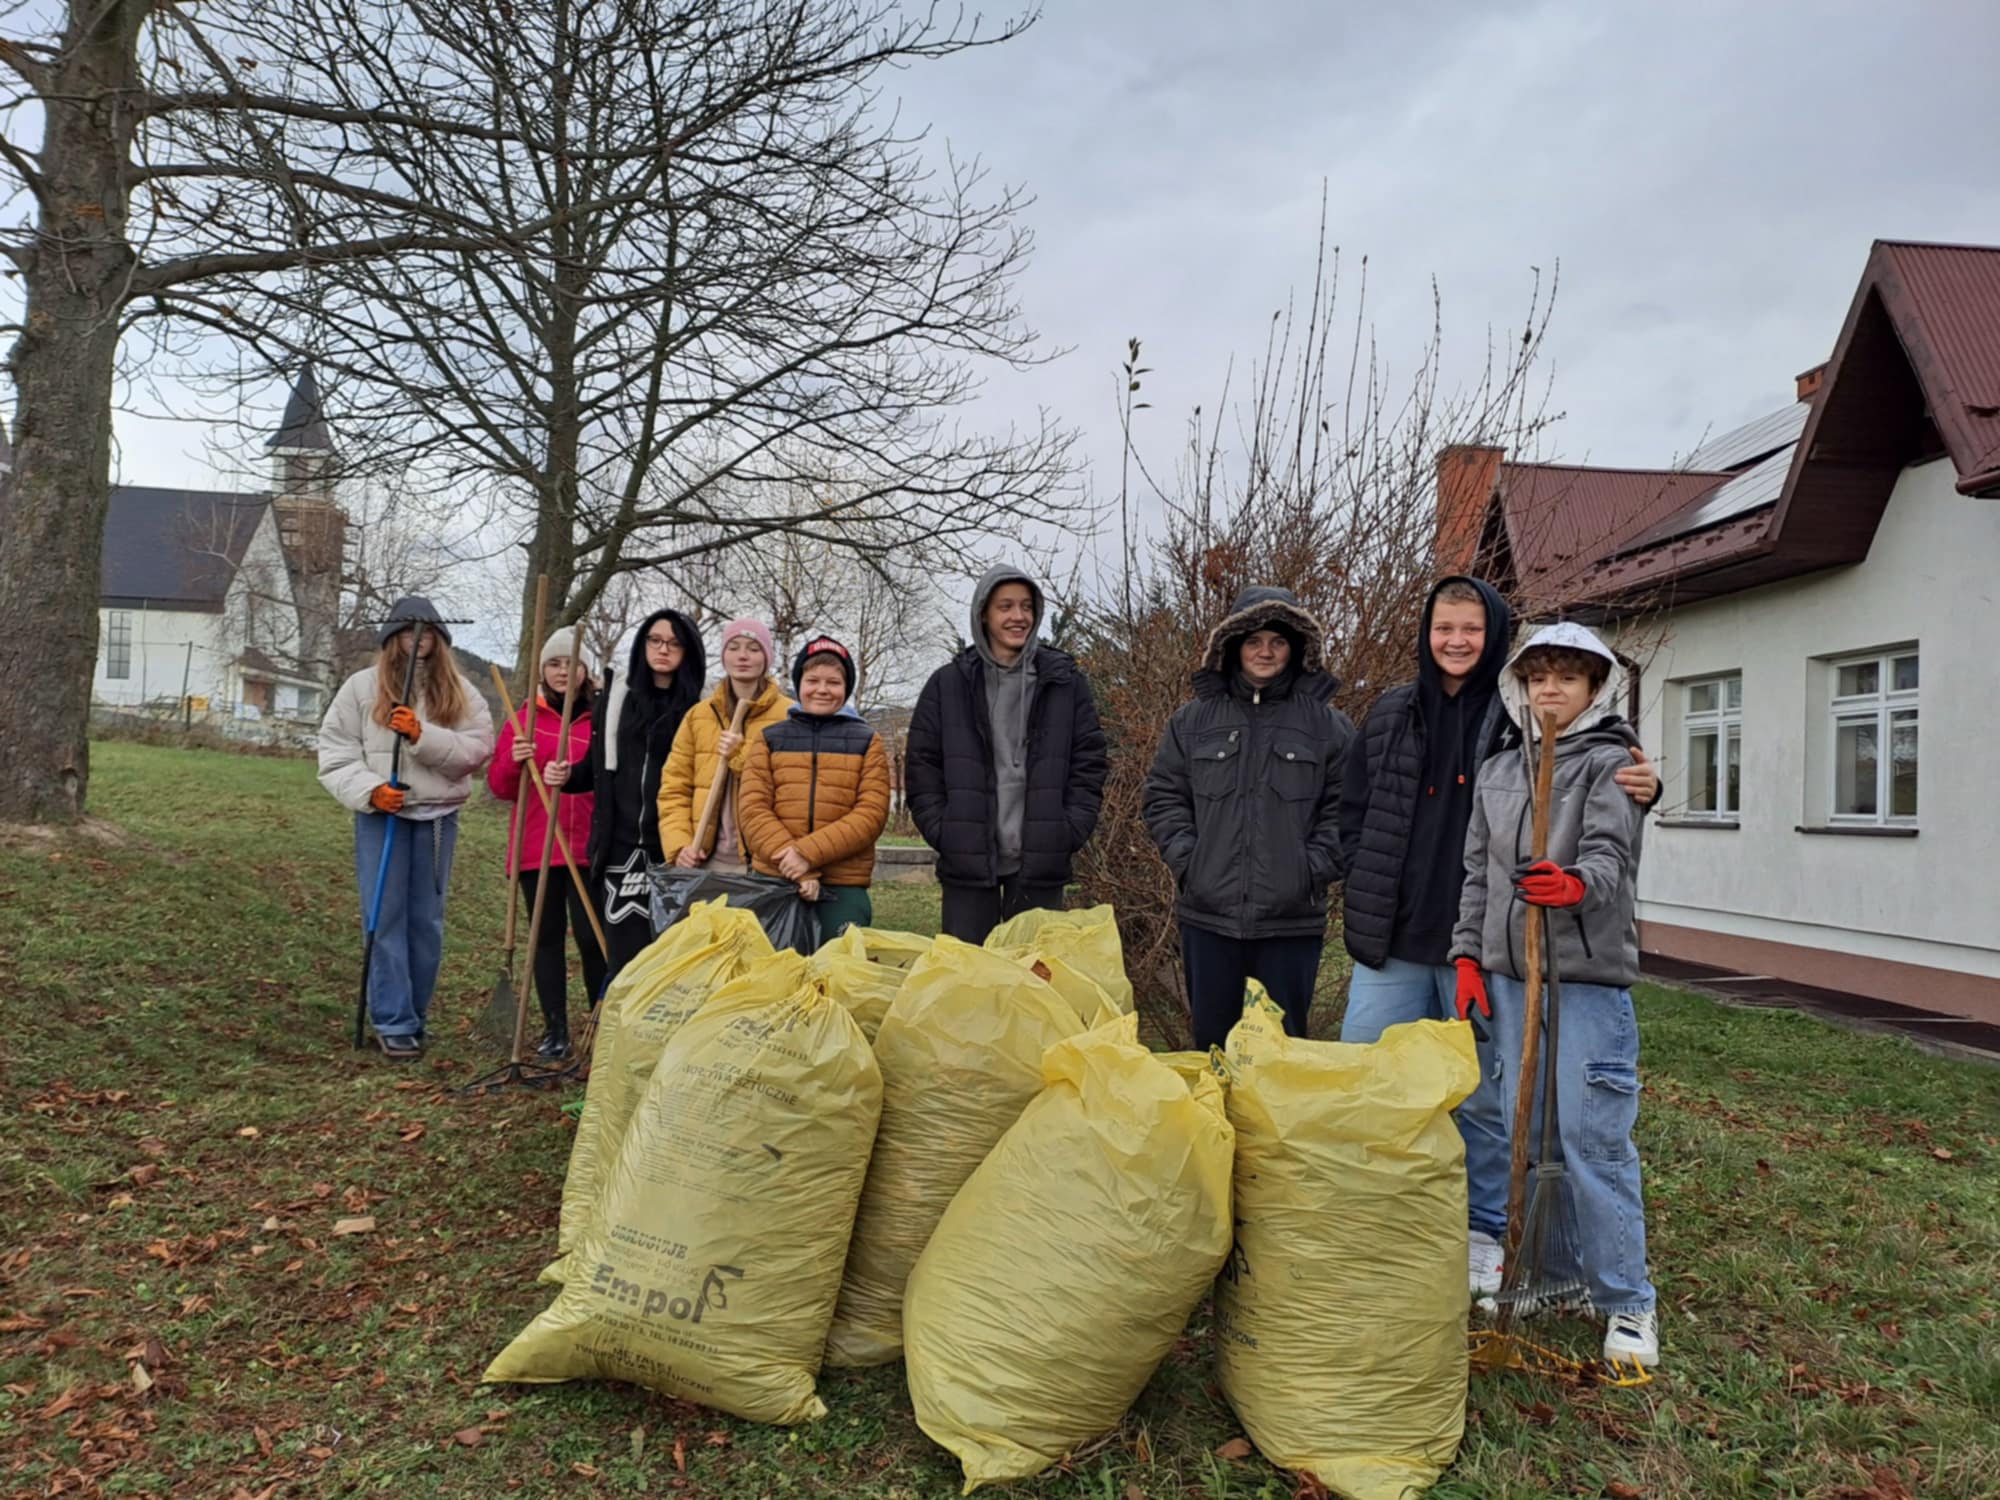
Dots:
pixel 52 543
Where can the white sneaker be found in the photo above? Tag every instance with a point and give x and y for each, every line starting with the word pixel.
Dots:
pixel 1633 1339
pixel 1486 1261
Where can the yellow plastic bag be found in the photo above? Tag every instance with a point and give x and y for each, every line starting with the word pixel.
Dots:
pixel 713 1271
pixel 865 967
pixel 1085 942
pixel 961 1055
pixel 1340 1319
pixel 641 1010
pixel 1067 1265
pixel 896 950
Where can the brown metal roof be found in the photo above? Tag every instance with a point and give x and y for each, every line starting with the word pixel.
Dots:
pixel 1917 363
pixel 1950 328
pixel 1561 518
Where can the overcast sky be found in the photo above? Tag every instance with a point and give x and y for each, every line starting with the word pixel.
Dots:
pixel 1709 177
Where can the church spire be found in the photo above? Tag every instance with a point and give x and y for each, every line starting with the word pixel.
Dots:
pixel 303 429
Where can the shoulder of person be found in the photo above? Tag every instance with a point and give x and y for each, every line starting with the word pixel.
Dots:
pixel 1392 705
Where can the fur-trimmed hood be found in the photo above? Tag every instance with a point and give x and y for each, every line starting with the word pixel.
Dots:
pixel 1262 607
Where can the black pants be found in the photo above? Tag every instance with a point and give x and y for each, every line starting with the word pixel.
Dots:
pixel 625 904
pixel 563 914
pixel 972 911
pixel 1218 968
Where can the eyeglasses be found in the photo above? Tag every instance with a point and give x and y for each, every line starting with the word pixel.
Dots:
pixel 662 642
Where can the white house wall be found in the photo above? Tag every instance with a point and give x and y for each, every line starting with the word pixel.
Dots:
pixel 160 652
pixel 1930 579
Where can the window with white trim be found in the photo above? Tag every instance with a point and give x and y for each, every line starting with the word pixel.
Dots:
pixel 1712 729
pixel 1874 728
pixel 118 644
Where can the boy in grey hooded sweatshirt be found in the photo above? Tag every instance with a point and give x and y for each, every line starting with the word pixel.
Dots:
pixel 1587 886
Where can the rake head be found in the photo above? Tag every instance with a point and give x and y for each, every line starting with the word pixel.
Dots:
pixel 1545 1272
pixel 496 1021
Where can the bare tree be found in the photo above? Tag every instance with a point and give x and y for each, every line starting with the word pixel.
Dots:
pixel 722 272
pixel 1322 480
pixel 146 154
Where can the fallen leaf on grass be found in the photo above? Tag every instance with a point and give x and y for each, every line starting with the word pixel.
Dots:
pixel 365 1224
pixel 470 1437
pixel 1941 1153
pixel 414 1133
pixel 1236 1448
pixel 718 1440
pixel 1618 1489
pixel 20 1323
pixel 69 1400
pixel 15 1388
pixel 249 1132
pixel 680 1452
pixel 142 1174
pixel 320 1452
pixel 263 1440
pixel 271 1225
pixel 638 1444
pixel 1133 1492
pixel 587 1471
pixel 1541 1414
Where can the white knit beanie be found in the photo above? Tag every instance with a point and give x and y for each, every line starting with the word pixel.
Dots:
pixel 560 643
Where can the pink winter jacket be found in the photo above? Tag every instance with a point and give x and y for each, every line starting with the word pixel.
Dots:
pixel 504 775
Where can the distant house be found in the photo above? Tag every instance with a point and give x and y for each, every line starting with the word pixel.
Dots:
pixel 1805 601
pixel 222 607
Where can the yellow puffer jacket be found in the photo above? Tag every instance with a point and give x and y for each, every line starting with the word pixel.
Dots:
pixel 692 764
pixel 820 785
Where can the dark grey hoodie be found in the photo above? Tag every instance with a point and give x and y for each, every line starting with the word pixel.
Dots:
pixel 1008 691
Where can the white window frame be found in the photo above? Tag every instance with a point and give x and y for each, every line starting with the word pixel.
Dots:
pixel 118 645
pixel 1883 707
pixel 1726 724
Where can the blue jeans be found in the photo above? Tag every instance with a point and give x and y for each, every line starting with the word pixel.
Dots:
pixel 409 933
pixel 1401 991
pixel 1597 1102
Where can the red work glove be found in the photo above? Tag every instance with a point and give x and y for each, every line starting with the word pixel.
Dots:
pixel 405 723
pixel 1546 883
pixel 1471 990
pixel 387 798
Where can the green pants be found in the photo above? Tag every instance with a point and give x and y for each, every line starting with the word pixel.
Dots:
pixel 840 907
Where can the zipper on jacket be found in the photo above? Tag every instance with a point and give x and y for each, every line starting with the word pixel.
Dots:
pixel 1582 936
pixel 812 784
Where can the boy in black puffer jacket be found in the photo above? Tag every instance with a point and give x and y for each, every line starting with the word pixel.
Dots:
pixel 1243 801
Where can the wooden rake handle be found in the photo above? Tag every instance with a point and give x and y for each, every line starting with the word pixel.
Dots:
pixel 1531 984
pixel 713 807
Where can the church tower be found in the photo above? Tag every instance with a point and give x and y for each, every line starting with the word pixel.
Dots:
pixel 311 527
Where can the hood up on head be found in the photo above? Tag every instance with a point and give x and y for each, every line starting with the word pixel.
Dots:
pixel 1602 709
pixel 1262 607
pixel 684 692
pixel 988 582
pixel 1499 625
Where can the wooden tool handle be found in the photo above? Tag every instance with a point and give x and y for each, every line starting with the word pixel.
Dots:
pixel 549 804
pixel 714 804
pixel 1531 985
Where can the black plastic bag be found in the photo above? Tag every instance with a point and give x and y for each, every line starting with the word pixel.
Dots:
pixel 786 917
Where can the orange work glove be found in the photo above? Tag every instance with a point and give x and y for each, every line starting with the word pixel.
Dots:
pixel 405 723
pixel 387 798
pixel 1471 990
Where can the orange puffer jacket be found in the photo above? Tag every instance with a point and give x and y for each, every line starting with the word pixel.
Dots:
pixel 820 785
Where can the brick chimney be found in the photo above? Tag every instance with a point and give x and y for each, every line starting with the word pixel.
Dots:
pixel 1466 477
pixel 1811 380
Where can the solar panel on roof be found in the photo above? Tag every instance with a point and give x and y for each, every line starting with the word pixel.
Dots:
pixel 1758 485
pixel 1753 440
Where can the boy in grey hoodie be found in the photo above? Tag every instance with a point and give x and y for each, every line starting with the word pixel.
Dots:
pixel 1587 885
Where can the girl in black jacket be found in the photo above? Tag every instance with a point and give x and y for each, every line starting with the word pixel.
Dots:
pixel 1243 801
pixel 640 714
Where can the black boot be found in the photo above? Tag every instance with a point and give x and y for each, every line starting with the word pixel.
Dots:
pixel 555 1043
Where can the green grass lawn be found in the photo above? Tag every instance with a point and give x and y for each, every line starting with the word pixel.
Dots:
pixel 185 1125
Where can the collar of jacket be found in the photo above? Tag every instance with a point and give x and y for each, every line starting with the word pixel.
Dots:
pixel 766 696
pixel 1315 687
pixel 1051 663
